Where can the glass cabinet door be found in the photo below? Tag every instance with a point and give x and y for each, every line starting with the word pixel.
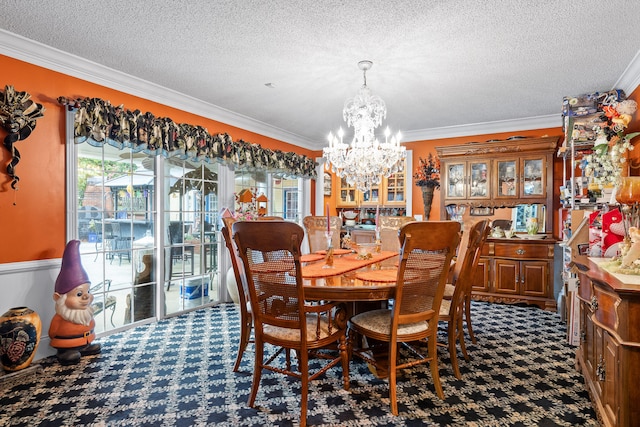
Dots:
pixel 479 187
pixel 372 196
pixel 533 184
pixel 455 181
pixel 347 195
pixel 395 189
pixel 506 178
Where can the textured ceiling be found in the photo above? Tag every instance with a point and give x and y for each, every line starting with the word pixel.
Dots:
pixel 441 66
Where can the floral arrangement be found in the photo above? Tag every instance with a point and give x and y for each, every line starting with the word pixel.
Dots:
pixel 428 172
pixel 246 210
pixel 612 145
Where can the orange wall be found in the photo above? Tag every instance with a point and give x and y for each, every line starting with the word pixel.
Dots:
pixel 32 219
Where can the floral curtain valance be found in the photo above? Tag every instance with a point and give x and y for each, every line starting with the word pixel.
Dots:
pixel 98 122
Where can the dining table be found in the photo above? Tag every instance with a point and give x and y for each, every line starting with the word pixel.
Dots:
pixel 351 277
pixel 360 282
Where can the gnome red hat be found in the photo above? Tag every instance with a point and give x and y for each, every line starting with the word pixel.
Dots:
pixel 71 273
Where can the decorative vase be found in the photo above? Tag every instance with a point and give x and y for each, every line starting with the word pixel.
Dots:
pixel 20 329
pixel 427 199
pixel 532 226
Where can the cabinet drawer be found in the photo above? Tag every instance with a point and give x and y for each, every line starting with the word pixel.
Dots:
pixel 524 251
pixel 605 306
pixel 585 288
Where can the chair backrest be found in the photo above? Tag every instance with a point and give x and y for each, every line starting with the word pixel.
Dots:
pixel 275 286
pixel 468 258
pixel 236 261
pixel 175 232
pixel 270 218
pixel 316 227
pixel 390 231
pixel 425 259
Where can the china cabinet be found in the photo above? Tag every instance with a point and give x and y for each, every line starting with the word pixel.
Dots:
pixel 608 354
pixel 520 177
pixel 498 174
pixel 512 173
pixel 467 180
pixel 392 191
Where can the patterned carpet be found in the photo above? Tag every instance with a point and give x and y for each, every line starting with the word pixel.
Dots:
pixel 178 372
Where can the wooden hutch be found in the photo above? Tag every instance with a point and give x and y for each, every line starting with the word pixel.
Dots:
pixel 506 174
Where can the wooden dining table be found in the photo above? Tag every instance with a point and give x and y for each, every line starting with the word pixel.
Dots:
pixel 351 278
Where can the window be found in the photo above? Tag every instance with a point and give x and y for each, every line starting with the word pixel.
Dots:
pixel 283 195
pixel 116 220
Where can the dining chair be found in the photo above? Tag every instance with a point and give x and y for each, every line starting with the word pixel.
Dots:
pixel 454 308
pixel 316 227
pixel 390 229
pixel 425 257
pixel 449 289
pixel 121 244
pixel 180 252
pixel 281 315
pixel 246 317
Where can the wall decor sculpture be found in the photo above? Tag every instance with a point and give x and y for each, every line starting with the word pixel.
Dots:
pixel 18 114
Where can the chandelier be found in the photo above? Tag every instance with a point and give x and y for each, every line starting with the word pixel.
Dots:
pixel 364 161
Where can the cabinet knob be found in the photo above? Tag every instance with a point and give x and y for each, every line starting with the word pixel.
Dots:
pixel 594 303
pixel 583 336
pixel 520 251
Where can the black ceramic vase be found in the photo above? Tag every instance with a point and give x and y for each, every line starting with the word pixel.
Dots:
pixel 20 329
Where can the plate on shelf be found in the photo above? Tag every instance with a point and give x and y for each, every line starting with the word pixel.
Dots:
pixel 532 236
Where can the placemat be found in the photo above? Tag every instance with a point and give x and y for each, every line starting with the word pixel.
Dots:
pixel 384 276
pixel 311 257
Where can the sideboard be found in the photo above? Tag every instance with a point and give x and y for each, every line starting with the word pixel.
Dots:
pixel 516 271
pixel 609 351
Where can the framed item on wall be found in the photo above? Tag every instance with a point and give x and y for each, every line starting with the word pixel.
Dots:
pixel 327 184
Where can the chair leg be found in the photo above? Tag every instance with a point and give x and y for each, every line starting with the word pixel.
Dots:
pixel 433 364
pixel 452 334
pixel 467 316
pixel 257 373
pixel 304 373
pixel 245 333
pixel 460 337
pixel 392 360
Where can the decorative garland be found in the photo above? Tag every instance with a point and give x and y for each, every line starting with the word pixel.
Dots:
pixel 97 121
pixel 18 115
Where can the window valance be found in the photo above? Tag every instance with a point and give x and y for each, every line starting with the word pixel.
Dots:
pixel 98 122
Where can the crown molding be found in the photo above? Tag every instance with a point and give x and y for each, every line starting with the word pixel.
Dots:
pixel 528 123
pixel 36 53
pixel 630 78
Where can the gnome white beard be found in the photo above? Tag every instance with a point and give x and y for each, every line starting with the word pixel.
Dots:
pixel 80 317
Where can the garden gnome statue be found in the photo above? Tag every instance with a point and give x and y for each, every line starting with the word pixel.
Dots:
pixel 71 329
